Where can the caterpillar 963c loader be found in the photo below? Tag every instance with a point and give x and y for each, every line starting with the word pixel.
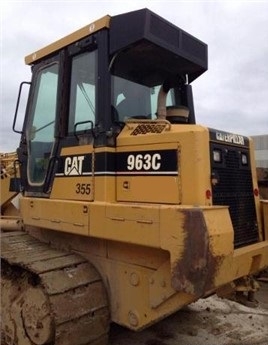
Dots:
pixel 131 210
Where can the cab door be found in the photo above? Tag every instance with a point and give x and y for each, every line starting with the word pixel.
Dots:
pixel 68 116
pixel 74 175
pixel 41 120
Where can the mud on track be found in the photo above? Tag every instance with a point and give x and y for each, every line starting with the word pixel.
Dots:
pixel 212 321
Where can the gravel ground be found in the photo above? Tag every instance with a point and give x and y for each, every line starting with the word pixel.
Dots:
pixel 211 321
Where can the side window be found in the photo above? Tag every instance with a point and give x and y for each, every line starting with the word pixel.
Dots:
pixel 41 126
pixel 83 92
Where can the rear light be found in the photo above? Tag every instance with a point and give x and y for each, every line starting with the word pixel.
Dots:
pixel 208 194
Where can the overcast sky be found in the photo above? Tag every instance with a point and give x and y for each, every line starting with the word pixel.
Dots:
pixel 232 95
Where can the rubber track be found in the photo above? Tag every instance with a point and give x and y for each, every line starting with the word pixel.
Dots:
pixel 74 288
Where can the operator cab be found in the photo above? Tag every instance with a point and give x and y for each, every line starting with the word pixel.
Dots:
pixel 86 85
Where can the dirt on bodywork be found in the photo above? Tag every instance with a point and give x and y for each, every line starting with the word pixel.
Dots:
pixel 194 272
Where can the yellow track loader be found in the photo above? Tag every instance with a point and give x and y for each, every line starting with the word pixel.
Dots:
pixel 131 210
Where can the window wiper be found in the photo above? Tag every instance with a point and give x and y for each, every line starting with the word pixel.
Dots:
pixel 82 88
pixel 40 128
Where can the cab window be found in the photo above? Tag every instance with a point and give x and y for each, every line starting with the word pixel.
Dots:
pixel 82 108
pixel 134 100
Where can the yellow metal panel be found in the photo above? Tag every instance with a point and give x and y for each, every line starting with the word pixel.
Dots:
pixel 150 187
pixel 162 189
pixel 248 259
pixel 195 167
pixel 220 231
pixel 136 255
pixel 87 30
pixel 131 287
pixel 194 162
pixel 75 187
pixel 104 188
pixel 56 215
pixel 69 188
pixel 198 240
pixel 160 285
pixel 76 150
pixel 125 223
pixel 172 233
pixel 221 243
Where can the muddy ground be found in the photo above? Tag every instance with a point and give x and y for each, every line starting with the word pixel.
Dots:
pixel 211 321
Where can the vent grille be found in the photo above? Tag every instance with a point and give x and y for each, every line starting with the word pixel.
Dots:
pixel 235 189
pixel 148 128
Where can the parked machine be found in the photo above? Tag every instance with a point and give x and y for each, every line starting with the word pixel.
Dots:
pixel 262 175
pixel 130 209
pixel 10 217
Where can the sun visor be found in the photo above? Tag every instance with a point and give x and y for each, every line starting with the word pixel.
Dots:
pixel 148 49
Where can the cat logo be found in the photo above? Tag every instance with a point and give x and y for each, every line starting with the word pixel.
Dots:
pixel 73 165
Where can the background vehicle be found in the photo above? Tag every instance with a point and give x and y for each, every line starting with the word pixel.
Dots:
pixel 132 210
pixel 262 174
